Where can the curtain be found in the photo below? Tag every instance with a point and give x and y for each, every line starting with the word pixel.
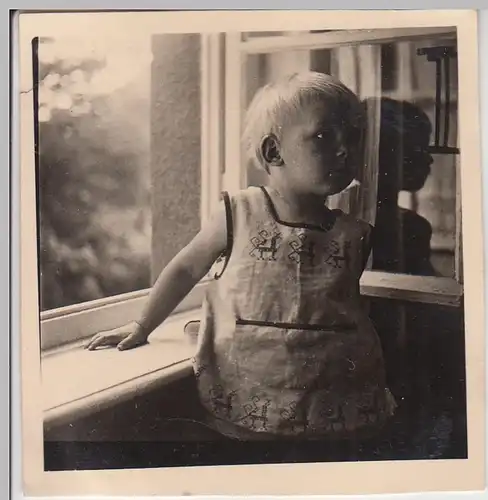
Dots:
pixel 359 67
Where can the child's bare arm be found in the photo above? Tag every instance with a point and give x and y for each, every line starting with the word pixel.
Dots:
pixel 184 272
pixel 176 280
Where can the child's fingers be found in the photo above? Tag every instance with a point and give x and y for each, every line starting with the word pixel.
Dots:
pixel 130 342
pixel 91 341
pixel 101 341
pixel 87 343
pixel 95 338
pixel 125 344
pixel 96 342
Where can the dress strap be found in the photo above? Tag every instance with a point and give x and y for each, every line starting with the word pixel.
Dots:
pixel 230 233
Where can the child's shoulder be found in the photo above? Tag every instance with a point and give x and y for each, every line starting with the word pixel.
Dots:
pixel 247 196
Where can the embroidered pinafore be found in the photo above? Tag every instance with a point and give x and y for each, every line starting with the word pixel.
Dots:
pixel 284 346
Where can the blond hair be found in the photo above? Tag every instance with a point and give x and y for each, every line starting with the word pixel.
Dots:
pixel 275 104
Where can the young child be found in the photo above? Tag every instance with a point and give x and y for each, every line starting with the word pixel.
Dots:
pixel 285 349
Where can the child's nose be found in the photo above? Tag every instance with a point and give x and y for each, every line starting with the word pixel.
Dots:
pixel 340 142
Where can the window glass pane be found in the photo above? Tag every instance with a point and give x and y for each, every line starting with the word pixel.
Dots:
pixel 407 191
pixel 95 181
pixel 95 219
pixel 417 185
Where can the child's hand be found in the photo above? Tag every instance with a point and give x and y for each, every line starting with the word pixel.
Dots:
pixel 124 337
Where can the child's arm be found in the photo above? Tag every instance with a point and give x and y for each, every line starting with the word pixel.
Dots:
pixel 175 281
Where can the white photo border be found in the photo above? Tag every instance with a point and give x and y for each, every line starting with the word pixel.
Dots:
pixel 180 474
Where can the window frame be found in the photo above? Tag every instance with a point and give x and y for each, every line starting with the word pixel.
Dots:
pixel 402 287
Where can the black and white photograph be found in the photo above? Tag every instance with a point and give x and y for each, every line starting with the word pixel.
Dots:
pixel 253 239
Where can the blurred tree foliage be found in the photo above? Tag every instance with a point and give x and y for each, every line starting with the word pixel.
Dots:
pixel 93 189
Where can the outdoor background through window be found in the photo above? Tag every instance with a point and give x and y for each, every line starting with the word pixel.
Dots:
pixel 94 176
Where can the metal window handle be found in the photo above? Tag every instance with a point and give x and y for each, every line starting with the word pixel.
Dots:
pixel 442 56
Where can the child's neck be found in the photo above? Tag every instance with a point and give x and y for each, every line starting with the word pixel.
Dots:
pixel 298 207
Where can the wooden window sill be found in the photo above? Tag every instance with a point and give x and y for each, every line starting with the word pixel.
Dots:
pixel 409 288
pixel 77 382
pixel 95 380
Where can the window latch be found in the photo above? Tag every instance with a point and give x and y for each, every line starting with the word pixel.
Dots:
pixel 442 57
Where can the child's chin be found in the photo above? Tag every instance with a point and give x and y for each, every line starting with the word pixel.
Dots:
pixel 339 186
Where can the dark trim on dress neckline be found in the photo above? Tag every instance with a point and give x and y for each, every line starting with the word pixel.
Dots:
pixel 304 225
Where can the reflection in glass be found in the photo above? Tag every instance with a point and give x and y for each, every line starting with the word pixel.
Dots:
pixel 402 242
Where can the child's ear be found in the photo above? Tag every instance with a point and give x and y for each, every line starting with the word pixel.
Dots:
pixel 270 150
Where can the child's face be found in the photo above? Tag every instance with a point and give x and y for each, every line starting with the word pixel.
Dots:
pixel 319 150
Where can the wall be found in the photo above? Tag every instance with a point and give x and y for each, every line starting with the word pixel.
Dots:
pixel 139 433
pixel 175 145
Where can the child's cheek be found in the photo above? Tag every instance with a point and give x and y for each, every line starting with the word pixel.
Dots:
pixel 321 152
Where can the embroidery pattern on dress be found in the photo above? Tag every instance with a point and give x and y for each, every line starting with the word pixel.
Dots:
pixel 290 415
pixel 336 258
pixel 266 245
pixel 256 411
pixel 332 415
pixel 221 403
pixel 302 249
